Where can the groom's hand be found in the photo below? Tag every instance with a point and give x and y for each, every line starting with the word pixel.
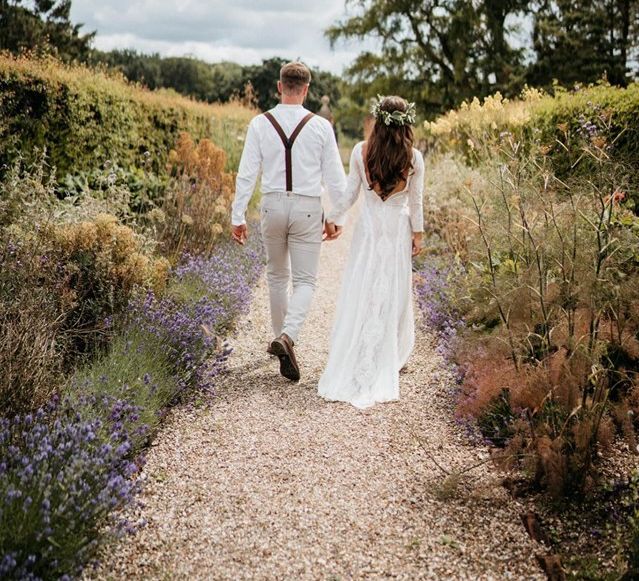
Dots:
pixel 332 231
pixel 240 234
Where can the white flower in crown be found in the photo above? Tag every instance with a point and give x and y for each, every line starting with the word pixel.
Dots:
pixel 396 117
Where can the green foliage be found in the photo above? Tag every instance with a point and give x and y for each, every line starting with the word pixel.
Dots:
pixel 218 82
pixel 84 118
pixel 581 41
pixel 564 126
pixel 139 189
pixel 189 76
pixel 264 77
pixel 59 283
pixel 436 54
pixel 442 53
pixel 607 116
pixel 42 26
pixel 132 371
pixel 549 249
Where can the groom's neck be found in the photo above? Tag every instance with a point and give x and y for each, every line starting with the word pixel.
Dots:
pixel 292 99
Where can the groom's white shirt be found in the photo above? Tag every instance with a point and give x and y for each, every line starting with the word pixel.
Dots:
pixel 315 155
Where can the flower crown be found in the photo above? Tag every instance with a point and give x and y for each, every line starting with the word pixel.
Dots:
pixel 397 117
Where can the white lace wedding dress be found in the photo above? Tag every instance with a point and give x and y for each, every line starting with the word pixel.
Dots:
pixel 374 333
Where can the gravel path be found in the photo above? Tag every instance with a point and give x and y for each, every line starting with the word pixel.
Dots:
pixel 268 481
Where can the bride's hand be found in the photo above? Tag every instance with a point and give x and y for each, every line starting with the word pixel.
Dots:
pixel 417 243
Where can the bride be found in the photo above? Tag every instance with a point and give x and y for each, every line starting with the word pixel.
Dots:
pixel 374 332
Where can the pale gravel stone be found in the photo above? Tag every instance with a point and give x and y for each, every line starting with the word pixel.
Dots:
pixel 268 481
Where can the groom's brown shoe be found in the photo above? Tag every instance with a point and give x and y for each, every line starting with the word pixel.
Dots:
pixel 283 348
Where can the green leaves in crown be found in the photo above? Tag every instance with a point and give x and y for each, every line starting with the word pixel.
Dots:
pixel 397 117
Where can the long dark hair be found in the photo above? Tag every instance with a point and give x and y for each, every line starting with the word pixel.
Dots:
pixel 389 153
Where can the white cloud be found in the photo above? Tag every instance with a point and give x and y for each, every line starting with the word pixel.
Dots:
pixel 245 31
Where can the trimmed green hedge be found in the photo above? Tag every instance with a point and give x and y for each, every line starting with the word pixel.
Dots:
pixel 85 117
pixel 612 111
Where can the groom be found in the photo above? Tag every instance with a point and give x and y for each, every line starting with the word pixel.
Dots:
pixel 296 153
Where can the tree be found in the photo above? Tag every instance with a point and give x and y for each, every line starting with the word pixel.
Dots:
pixel 583 40
pixel 437 52
pixel 136 67
pixel 502 63
pixel 264 78
pixel 42 25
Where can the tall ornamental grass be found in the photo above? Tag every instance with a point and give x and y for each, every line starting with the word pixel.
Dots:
pixel 548 289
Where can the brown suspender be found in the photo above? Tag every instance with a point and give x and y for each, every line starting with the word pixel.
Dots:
pixel 288 144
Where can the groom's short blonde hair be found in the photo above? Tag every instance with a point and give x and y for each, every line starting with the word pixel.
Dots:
pixel 294 77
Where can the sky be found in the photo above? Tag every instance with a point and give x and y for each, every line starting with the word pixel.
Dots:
pixel 241 31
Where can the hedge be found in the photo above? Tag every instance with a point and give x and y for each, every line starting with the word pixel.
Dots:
pixel 84 117
pixel 611 112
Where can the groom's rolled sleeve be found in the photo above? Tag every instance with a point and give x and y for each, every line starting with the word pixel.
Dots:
pixel 247 173
pixel 333 175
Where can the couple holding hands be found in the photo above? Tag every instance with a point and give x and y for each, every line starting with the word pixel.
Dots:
pixel 296 154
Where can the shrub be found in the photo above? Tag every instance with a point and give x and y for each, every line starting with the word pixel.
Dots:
pixel 27 195
pixel 104 262
pixel 65 470
pixel 606 116
pixel 548 290
pixel 84 117
pixel 59 287
pixel 199 307
pixel 127 193
pixel 61 478
pixel 198 200
pixel 136 371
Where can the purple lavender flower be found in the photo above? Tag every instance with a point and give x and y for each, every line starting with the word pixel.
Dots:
pixel 189 327
pixel 67 474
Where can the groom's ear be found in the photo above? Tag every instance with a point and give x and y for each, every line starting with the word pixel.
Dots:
pixel 279 87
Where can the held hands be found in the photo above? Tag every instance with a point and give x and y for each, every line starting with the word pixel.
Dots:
pixel 417 243
pixel 331 231
pixel 240 234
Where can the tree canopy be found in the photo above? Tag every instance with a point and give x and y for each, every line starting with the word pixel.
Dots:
pixel 583 40
pixel 440 52
pixel 218 82
pixel 42 25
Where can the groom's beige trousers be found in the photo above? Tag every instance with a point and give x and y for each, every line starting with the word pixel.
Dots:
pixel 292 227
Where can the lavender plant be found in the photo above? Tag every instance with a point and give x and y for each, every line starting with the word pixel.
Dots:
pixel 199 307
pixel 436 302
pixel 62 476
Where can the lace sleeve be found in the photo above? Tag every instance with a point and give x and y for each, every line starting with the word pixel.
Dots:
pixel 416 193
pixel 353 187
